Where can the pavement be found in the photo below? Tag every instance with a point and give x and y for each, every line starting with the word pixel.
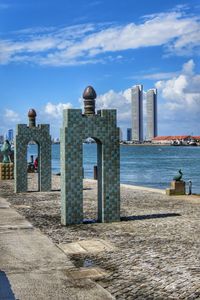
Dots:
pixel 153 253
pixel 32 267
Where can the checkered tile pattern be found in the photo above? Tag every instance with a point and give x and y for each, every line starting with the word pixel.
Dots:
pixel 76 128
pixel 41 136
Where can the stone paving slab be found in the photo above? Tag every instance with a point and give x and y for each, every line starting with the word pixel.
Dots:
pixel 72 248
pixel 86 246
pixel 96 245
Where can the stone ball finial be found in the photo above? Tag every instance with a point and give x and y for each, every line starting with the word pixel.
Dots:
pixel 89 96
pixel 32 115
pixel 89 93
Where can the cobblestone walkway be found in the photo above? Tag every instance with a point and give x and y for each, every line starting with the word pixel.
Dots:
pixel 157 243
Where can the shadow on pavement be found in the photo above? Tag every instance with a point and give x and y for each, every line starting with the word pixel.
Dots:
pixel 153 216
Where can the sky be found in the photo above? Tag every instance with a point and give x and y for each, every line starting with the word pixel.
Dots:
pixel 50 50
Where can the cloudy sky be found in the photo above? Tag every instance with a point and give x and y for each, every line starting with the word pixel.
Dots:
pixel 50 50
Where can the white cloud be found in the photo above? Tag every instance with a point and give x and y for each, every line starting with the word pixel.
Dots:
pixel 113 100
pixel 55 110
pixel 11 116
pixel 155 76
pixel 182 93
pixel 188 67
pixel 177 32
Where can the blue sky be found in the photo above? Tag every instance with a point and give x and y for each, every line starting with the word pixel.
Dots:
pixel 51 50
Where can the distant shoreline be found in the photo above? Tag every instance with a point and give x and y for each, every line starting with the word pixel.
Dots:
pixel 146 144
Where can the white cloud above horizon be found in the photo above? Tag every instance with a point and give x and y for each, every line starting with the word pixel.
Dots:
pixel 176 32
pixel 116 100
pixel 11 116
pixel 182 92
pixel 154 76
pixel 55 110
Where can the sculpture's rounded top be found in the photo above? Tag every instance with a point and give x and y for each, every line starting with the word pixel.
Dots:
pixel 32 113
pixel 89 93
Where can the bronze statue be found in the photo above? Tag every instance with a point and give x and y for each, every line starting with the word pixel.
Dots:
pixel 6 151
pixel 179 176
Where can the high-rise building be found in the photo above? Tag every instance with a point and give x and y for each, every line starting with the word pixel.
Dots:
pixel 129 134
pixel 137 112
pixel 10 135
pixel 151 109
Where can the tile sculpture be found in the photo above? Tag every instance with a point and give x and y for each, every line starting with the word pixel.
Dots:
pixel 39 134
pixel 103 129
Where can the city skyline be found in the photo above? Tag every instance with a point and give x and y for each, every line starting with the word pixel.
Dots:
pixel 49 56
pixel 144 113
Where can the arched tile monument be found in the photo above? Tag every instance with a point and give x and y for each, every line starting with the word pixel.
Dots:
pixel 103 129
pixel 39 134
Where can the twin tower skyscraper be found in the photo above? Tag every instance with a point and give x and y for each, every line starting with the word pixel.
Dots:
pixel 137 114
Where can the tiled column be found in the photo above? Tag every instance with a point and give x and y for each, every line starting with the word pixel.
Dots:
pixel 45 165
pixel 71 177
pixel 111 179
pixel 20 165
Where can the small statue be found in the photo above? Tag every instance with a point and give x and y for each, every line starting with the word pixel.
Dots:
pixel 6 151
pixel 179 176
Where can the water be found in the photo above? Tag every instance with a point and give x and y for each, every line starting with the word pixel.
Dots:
pixel 151 166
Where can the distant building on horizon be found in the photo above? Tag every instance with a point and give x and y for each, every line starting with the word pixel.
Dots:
pixel 151 113
pixel 129 134
pixel 176 140
pixel 10 135
pixel 137 112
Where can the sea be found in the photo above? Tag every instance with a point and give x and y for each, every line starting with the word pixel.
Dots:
pixel 143 165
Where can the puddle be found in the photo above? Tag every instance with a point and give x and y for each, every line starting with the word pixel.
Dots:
pixel 83 263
